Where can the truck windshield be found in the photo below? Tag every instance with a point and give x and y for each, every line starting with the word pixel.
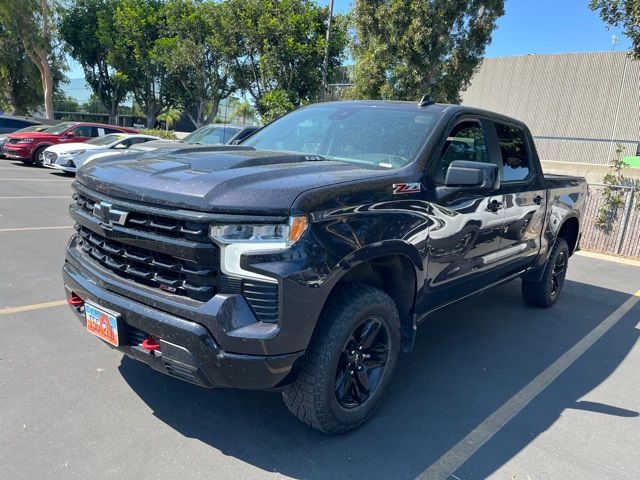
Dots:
pixel 378 135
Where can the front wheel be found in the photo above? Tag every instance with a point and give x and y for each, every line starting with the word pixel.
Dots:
pixel 546 291
pixel 349 362
pixel 38 157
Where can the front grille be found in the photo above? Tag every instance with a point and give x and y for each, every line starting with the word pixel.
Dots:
pixel 170 227
pixel 151 268
pixel 181 259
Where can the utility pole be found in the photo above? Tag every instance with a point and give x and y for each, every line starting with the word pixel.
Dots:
pixel 325 65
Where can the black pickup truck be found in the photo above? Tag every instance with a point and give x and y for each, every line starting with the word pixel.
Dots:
pixel 303 260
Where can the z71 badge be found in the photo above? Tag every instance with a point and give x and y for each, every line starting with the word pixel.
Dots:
pixel 402 188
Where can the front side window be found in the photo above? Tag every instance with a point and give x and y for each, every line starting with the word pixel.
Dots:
pixel 516 162
pixel 377 135
pixel 86 131
pixel 466 141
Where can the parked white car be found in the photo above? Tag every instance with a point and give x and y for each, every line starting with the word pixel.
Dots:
pixel 69 157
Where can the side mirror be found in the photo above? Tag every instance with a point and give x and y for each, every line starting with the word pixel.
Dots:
pixel 70 134
pixel 465 175
pixel 121 146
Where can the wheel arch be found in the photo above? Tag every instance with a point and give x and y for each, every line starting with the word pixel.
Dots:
pixel 389 271
pixel 39 148
pixel 570 231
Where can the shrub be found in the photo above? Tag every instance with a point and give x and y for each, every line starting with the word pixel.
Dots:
pixel 156 132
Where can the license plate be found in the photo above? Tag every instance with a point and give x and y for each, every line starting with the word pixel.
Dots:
pixel 102 324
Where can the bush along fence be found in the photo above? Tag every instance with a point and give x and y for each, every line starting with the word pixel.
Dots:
pixel 619 232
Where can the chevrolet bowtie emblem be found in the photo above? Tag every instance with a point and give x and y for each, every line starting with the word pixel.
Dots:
pixel 109 215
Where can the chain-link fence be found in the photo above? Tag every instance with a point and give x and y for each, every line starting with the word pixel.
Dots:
pixel 621 236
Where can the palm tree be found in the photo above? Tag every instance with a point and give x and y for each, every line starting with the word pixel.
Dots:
pixel 243 110
pixel 170 117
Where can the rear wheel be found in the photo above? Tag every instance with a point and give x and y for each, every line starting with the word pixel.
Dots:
pixel 546 291
pixel 349 361
pixel 38 157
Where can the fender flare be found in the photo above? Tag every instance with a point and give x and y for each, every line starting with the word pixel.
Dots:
pixel 535 273
pixel 380 250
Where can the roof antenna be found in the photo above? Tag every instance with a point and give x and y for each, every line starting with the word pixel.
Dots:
pixel 425 101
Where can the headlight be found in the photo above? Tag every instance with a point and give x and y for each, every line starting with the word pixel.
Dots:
pixel 237 240
pixel 285 233
pixel 75 152
pixel 25 140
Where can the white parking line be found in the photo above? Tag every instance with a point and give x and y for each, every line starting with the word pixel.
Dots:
pixel 452 460
pixel 28 308
pixel 33 198
pixel 27 229
pixel 34 180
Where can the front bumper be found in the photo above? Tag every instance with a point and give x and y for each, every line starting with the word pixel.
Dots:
pixel 13 151
pixel 188 350
pixel 61 168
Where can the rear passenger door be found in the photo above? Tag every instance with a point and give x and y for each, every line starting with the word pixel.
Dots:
pixel 522 187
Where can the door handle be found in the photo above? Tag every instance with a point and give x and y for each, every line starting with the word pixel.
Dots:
pixel 538 200
pixel 494 206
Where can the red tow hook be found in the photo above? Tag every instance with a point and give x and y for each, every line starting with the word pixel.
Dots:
pixel 75 301
pixel 150 344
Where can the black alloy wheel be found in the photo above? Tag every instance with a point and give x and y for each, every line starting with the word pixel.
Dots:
pixel 558 273
pixel 362 363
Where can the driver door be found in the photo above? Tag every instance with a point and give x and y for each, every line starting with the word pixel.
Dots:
pixel 464 239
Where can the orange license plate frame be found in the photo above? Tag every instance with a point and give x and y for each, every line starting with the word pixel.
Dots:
pixel 102 323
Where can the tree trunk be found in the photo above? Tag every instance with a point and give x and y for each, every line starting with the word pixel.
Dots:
pixel 152 116
pixel 47 86
pixel 113 113
pixel 40 58
pixel 10 98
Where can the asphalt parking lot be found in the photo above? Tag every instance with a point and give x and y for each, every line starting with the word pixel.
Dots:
pixel 493 388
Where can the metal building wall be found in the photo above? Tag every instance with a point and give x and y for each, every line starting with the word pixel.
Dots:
pixel 578 105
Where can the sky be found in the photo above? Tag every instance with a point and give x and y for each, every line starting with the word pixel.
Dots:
pixel 529 26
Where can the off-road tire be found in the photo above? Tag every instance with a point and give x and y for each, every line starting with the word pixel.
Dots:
pixel 544 293
pixel 312 397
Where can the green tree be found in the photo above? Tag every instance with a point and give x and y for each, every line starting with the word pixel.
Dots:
pixel 64 103
pixel 196 51
pixel 86 27
pixel 20 86
pixel 170 117
pixel 282 46
pixel 137 26
pixel 624 14
pixel 32 21
pixel 404 49
pixel 243 111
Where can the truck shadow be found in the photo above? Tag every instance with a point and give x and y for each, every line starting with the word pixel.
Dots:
pixel 468 361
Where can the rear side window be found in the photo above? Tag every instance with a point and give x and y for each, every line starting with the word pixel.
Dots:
pixel 466 141
pixel 516 162
pixel 111 130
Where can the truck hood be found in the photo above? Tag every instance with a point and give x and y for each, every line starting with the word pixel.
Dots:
pixel 238 180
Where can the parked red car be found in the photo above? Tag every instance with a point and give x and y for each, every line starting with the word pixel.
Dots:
pixel 29 146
